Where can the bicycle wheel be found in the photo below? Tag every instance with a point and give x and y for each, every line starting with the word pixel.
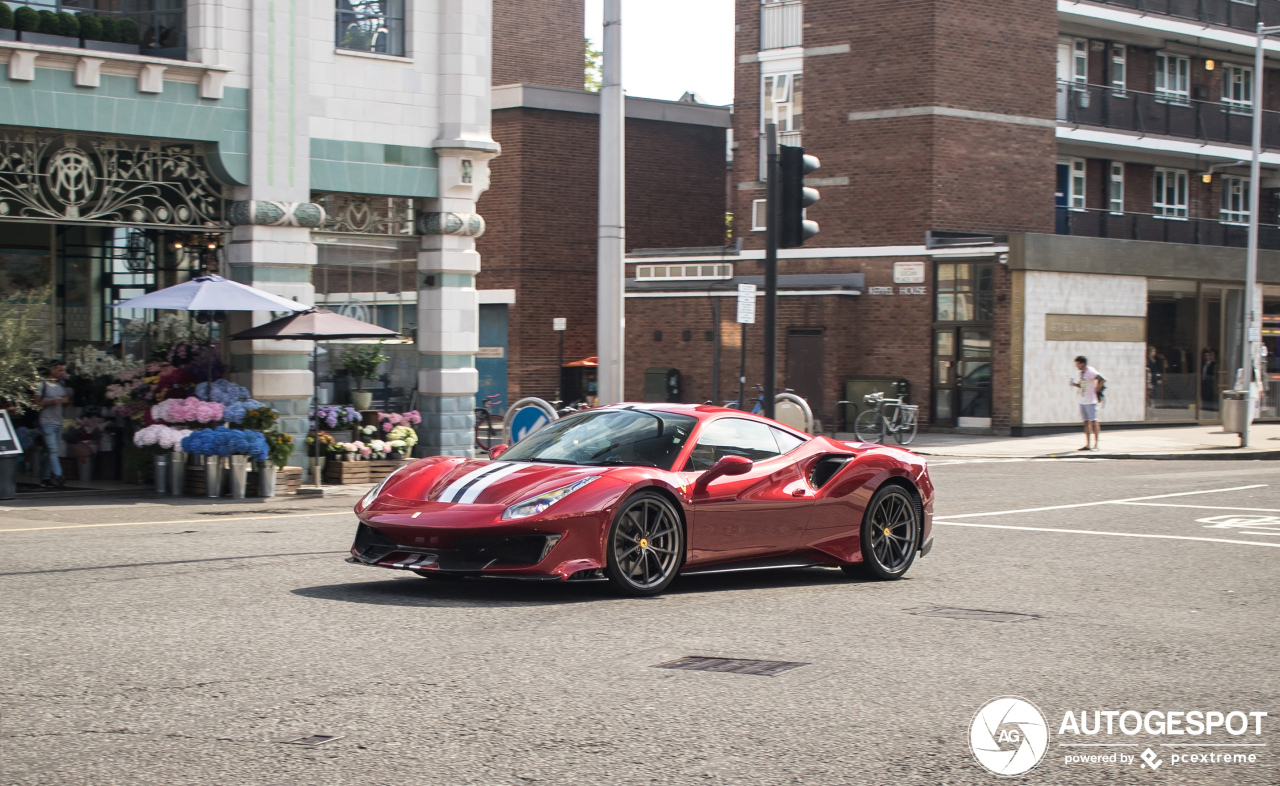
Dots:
pixel 482 430
pixel 869 427
pixel 906 425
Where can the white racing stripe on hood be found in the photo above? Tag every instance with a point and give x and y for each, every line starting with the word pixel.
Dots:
pixel 455 488
pixel 472 493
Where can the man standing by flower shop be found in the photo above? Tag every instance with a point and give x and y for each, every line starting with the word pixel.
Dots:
pixel 50 398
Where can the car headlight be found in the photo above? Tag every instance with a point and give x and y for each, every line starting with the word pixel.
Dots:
pixel 368 499
pixel 535 505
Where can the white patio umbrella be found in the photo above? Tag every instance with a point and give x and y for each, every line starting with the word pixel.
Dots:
pixel 212 293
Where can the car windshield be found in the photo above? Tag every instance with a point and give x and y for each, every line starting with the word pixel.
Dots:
pixel 627 437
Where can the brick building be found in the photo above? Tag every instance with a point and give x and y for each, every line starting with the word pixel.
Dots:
pixel 1016 184
pixel 539 250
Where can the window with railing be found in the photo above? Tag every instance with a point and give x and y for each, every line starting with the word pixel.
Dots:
pixel 1173 78
pixel 1235 200
pixel 1118 63
pixel 1237 87
pixel 1170 193
pixel 157 27
pixel 781 23
pixel 1115 192
pixel 375 26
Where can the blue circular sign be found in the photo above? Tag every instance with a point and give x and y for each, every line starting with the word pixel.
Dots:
pixel 526 421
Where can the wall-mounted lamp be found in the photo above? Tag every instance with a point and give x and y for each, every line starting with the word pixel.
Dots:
pixel 1208 65
pixel 1207 177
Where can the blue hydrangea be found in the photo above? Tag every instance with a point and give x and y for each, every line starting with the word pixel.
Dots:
pixel 234 413
pixel 223 441
pixel 224 392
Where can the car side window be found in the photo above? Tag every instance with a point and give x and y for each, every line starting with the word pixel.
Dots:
pixel 787 441
pixel 732 437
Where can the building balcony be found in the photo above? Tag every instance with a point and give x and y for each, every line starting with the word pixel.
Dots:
pixel 1224 13
pixel 1144 226
pixel 1159 114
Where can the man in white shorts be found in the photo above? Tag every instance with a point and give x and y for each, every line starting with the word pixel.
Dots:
pixel 1089 386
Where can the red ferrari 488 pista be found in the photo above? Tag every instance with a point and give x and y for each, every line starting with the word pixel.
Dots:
pixel 640 493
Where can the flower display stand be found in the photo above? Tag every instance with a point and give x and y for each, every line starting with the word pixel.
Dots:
pixel 341 472
pixel 380 469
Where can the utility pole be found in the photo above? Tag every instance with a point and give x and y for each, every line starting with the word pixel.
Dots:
pixel 772 224
pixel 1250 326
pixel 610 305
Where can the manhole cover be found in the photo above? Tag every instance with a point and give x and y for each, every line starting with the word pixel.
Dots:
pixel 762 668
pixel 981 615
pixel 314 739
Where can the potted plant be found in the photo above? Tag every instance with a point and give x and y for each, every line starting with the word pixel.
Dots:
pixel 106 34
pixel 402 439
pixel 51 29
pixel 7 33
pixel 341 422
pixel 160 441
pixel 279 449
pixel 362 363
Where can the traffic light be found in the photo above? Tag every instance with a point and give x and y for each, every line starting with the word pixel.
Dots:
pixel 793 165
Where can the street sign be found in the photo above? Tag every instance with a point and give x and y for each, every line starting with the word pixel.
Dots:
pixel 1255 334
pixel 559 323
pixel 747 304
pixel 908 272
pixel 9 445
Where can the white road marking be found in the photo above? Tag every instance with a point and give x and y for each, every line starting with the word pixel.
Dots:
pixel 211 520
pixel 1104 502
pixel 1203 507
pixel 1116 534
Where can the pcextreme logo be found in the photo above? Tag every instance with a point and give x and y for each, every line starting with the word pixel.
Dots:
pixel 1009 735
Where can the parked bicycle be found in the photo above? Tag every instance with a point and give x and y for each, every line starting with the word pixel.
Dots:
pixel 872 424
pixel 757 403
pixel 489 423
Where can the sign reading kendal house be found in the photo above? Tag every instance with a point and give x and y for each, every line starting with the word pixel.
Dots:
pixel 1088 327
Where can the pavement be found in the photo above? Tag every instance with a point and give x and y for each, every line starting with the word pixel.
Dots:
pixel 172 641
pixel 1172 442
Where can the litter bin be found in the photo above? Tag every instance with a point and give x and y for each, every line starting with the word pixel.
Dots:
pixel 1235 408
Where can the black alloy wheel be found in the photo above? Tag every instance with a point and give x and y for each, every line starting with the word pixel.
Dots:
pixel 646 545
pixel 890 534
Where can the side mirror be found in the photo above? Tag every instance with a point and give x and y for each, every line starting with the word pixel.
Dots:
pixel 727 465
pixel 497 450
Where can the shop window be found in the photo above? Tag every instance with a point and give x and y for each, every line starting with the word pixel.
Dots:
pixel 1235 200
pixel 1170 197
pixel 370 26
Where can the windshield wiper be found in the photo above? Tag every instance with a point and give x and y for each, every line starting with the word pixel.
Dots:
pixel 621 463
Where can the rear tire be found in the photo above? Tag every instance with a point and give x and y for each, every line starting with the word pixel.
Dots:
pixel 906 434
pixel 890 535
pixel 645 548
pixel 869 427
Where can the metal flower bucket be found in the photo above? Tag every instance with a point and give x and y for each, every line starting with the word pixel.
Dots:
pixel 239 474
pixel 267 479
pixel 162 474
pixel 213 476
pixel 177 472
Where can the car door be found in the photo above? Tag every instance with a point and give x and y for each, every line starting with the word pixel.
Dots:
pixel 762 513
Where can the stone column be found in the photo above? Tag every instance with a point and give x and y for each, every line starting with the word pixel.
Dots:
pixel 448 308
pixel 270 245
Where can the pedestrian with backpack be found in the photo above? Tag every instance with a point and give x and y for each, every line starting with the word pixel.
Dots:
pixel 1089 387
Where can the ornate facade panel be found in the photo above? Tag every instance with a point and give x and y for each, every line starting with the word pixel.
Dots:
pixel 462 224
pixel 107 180
pixel 276 214
pixel 366 215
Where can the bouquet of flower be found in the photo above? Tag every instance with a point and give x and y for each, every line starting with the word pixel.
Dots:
pixel 367 432
pixel 336 417
pixel 379 449
pixel 279 447
pixel 188 410
pixel 405 435
pixel 262 418
pixel 160 437
pixel 390 420
pixel 223 441
pixel 327 444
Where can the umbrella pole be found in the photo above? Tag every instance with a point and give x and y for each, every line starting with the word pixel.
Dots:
pixel 315 407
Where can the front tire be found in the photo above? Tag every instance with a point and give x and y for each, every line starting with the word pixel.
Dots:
pixel 645 547
pixel 890 534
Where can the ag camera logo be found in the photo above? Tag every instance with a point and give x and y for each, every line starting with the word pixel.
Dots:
pixel 1009 735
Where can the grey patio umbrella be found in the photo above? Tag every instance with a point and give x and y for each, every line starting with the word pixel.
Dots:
pixel 316 324
pixel 212 293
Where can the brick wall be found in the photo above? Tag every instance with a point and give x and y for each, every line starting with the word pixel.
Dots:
pixel 540 43
pixel 541 214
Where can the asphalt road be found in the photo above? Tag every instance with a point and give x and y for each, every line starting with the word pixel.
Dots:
pixel 180 643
